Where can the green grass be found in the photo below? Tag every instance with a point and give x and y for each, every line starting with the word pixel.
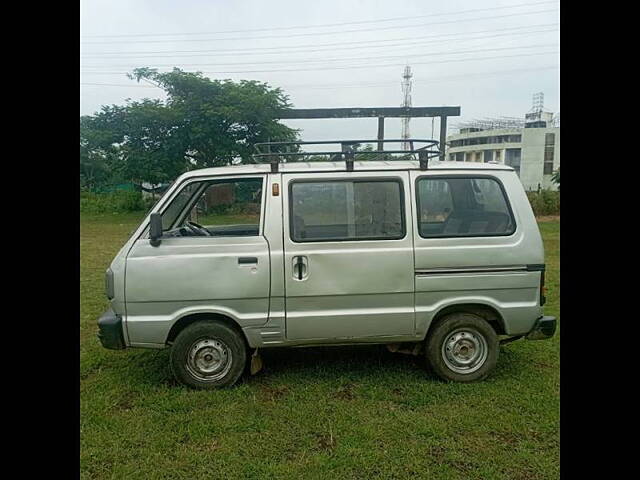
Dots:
pixel 356 412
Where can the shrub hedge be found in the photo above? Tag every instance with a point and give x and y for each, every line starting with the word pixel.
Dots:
pixel 544 202
pixel 114 202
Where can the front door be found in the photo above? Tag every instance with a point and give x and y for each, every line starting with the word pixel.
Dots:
pixel 213 258
pixel 349 270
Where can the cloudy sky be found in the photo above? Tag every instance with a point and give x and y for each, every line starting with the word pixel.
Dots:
pixel 487 56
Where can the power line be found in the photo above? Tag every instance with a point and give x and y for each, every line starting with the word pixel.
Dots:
pixel 349 67
pixel 421 82
pixel 315 45
pixel 367 85
pixel 319 26
pixel 403 45
pixel 117 85
pixel 321 33
pixel 348 59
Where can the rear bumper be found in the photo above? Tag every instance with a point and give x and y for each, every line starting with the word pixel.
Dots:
pixel 545 327
pixel 110 330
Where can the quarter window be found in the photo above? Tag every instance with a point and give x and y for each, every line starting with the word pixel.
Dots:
pixel 462 207
pixel 346 210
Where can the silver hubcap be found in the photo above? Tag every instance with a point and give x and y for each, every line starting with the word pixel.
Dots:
pixel 465 350
pixel 209 359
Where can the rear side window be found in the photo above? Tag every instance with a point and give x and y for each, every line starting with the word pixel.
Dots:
pixel 346 210
pixel 462 207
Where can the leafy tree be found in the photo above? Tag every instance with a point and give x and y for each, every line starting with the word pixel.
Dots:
pixel 203 123
pixel 152 149
pixel 97 150
pixel 136 142
pixel 221 120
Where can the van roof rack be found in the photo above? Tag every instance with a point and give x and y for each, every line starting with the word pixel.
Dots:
pixel 275 152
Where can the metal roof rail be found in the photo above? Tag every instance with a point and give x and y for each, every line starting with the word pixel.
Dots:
pixel 273 151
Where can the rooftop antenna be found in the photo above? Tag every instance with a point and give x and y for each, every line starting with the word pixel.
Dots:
pixel 406 102
pixel 538 102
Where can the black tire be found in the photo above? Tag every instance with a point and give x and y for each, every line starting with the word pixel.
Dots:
pixel 207 355
pixel 469 336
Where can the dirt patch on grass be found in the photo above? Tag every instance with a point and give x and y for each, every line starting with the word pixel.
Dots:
pixel 213 445
pixel 326 441
pixel 126 402
pixel 436 451
pixel 543 365
pixel 272 393
pixel 398 392
pixel 464 466
pixel 346 392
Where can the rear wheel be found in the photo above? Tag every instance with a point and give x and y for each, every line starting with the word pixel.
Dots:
pixel 462 347
pixel 207 355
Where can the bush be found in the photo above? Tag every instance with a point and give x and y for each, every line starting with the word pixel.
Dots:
pixel 545 202
pixel 114 202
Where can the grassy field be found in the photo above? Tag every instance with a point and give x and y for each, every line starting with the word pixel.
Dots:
pixel 357 412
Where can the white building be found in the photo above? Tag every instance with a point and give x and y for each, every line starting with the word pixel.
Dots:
pixel 531 147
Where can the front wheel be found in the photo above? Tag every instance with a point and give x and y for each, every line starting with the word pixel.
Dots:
pixel 207 355
pixel 462 347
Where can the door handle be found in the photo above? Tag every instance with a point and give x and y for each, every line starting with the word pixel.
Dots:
pixel 300 267
pixel 247 260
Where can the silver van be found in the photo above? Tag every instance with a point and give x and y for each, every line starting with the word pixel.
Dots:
pixel 441 259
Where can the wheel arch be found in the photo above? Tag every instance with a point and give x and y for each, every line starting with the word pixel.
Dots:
pixel 485 311
pixel 186 320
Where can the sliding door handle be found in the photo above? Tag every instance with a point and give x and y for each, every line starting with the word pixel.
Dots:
pixel 247 260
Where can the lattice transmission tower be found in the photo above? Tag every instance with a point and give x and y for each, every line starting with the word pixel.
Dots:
pixel 406 102
pixel 538 103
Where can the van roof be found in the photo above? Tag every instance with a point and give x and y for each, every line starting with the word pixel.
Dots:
pixel 300 167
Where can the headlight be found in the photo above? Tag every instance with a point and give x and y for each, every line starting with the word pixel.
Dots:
pixel 108 284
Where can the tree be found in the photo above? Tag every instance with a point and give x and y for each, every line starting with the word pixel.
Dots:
pixel 222 120
pixel 97 150
pixel 203 123
pixel 137 142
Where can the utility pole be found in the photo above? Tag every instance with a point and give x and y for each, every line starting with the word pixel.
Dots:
pixel 406 102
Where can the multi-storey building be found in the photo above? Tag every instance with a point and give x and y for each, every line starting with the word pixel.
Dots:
pixel 531 147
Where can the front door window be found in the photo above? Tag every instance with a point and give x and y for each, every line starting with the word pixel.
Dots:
pixel 229 207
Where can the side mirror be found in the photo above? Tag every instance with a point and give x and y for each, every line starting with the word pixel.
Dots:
pixel 155 229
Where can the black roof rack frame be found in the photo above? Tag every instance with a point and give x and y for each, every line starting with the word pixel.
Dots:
pixel 347 150
pixel 272 151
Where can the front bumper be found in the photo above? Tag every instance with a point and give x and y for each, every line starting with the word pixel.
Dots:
pixel 110 330
pixel 545 327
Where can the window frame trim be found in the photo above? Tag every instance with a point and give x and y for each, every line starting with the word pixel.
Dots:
pixel 403 214
pixel 472 177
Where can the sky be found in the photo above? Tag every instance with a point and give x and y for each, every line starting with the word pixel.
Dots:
pixel 488 57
